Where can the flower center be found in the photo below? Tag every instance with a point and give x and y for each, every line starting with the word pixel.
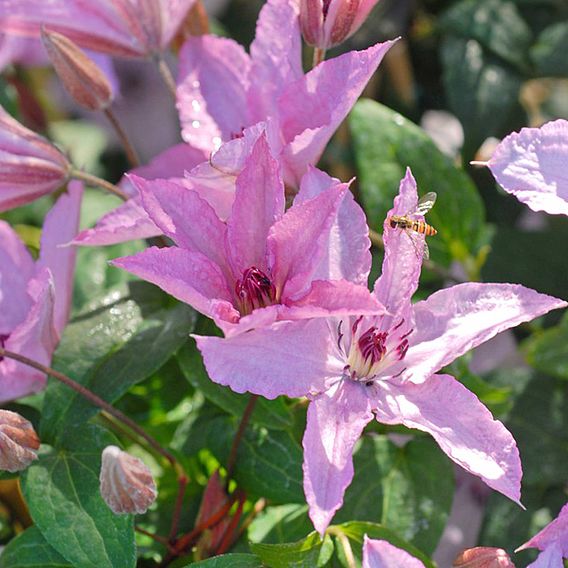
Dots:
pixel 254 290
pixel 325 8
pixel 3 339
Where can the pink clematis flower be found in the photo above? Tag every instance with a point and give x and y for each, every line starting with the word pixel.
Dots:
pixel 552 540
pixel 383 554
pixel 222 90
pixel 263 264
pixel 531 164
pixel 124 28
pixel 35 297
pixel 354 369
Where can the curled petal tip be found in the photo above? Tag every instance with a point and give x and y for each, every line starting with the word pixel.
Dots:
pixel 18 442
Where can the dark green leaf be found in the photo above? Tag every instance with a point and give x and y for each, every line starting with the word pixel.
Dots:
pixel 279 524
pixel 62 492
pixel 385 145
pixel 31 550
pixel 230 561
pixel 306 553
pixel 549 52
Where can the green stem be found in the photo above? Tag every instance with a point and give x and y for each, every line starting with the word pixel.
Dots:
pixel 90 179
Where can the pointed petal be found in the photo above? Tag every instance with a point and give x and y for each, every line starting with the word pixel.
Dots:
pixel 462 426
pixel 212 91
pixel 403 254
pixel 188 276
pixel 312 108
pixel 349 255
pixel 531 164
pixel 127 222
pixel 173 14
pixel 335 421
pixel 60 226
pixel 454 320
pixel 555 533
pixel 259 203
pixel 35 338
pixel 297 243
pixel 383 554
pixel 291 358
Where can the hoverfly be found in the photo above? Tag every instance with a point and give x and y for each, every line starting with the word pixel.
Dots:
pixel 409 225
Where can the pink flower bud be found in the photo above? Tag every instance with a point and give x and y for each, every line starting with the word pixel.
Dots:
pixel 30 166
pixel 18 442
pixel 127 485
pixel 80 75
pixel 483 557
pixel 326 23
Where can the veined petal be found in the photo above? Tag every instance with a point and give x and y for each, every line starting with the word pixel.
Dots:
pixel 383 554
pixel 60 226
pixel 335 421
pixel 454 320
pixel 458 421
pixel 312 108
pixel 212 91
pixel 348 254
pixel 291 358
pixel 174 13
pixel 188 276
pixel 531 164
pixel 553 534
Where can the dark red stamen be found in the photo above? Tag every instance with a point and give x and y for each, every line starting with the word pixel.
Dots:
pixel 325 8
pixel 3 339
pixel 402 349
pixel 373 345
pixel 254 290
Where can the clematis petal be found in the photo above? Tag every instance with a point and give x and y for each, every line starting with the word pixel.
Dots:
pixel 188 276
pixel 553 535
pixel 297 243
pixel 531 164
pixel 285 358
pixel 259 203
pixel 348 254
pixel 212 91
pixel 60 226
pixel 460 424
pixel 454 320
pixel 403 254
pixel 335 421
pixel 173 14
pixel 312 108
pixel 383 554
pixel 550 558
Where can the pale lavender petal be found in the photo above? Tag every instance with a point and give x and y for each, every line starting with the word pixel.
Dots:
pixel 555 534
pixel 60 226
pixel 312 108
pixel 188 276
pixel 531 164
pixel 212 91
pixel 348 254
pixel 127 222
pixel 173 14
pixel 298 241
pixel 458 421
pixel 21 50
pixel 454 320
pixel 335 421
pixel 403 254
pixel 291 358
pixel 550 558
pixel 383 554
pixel 259 203
pixel 35 338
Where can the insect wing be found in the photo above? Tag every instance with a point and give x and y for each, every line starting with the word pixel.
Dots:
pixel 425 203
pixel 426 251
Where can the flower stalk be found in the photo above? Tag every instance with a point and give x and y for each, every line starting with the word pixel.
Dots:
pixel 96 181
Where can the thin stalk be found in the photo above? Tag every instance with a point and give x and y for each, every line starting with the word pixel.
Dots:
pixel 345 544
pixel 99 182
pixel 131 154
pixel 319 56
pixel 177 509
pixel 240 432
pixel 166 74
pixel 229 534
pixel 157 538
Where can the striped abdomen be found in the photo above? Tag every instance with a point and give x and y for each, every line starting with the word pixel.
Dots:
pixel 423 228
pixel 403 222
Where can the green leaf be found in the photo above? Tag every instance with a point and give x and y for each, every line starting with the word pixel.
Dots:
pixel 230 561
pixel 408 489
pixel 272 414
pixel 385 145
pixel 111 348
pixel 548 351
pixel 31 550
pixel 62 493
pixel 496 24
pixel 306 553
pixel 281 523
pixel 482 91
pixel 549 52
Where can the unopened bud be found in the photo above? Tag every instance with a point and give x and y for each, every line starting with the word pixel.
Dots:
pixel 81 76
pixel 483 557
pixel 18 442
pixel 326 23
pixel 127 485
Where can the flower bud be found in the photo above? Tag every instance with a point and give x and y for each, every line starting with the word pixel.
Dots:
pixel 326 23
pixel 80 75
pixel 127 485
pixel 483 557
pixel 18 442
